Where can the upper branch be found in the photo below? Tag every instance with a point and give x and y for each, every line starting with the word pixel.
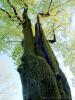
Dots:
pixel 50 5
pixel 59 5
pixel 3 36
pixel 46 14
pixel 14 9
pixel 6 12
pixel 9 15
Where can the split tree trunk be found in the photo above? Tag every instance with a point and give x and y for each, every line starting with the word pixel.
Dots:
pixel 38 79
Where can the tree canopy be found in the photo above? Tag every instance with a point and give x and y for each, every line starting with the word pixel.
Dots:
pixel 60 22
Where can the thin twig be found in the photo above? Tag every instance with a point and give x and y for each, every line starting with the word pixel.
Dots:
pixel 6 12
pixel 14 9
pixel 19 36
pixel 50 5
pixel 58 12
pixel 53 30
pixel 9 15
pixel 3 36
pixel 47 13
pixel 59 5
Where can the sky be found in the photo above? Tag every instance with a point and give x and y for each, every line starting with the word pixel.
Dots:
pixel 10 84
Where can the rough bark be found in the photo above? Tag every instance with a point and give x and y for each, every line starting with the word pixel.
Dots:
pixel 44 50
pixel 40 80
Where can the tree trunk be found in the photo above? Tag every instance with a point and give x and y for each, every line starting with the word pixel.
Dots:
pixel 44 50
pixel 39 81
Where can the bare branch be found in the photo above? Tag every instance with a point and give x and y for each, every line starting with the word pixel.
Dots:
pixel 6 12
pixel 3 36
pixel 19 35
pixel 59 11
pixel 50 5
pixel 26 6
pixel 18 25
pixel 9 15
pixel 59 5
pixel 7 34
pixel 14 9
pixel 56 28
pixel 46 14
pixel 53 30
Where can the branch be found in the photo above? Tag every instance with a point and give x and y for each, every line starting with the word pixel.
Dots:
pixel 46 14
pixel 3 36
pixel 59 5
pixel 14 9
pixel 9 15
pixel 26 6
pixel 54 40
pixel 6 12
pixel 7 34
pixel 59 11
pixel 53 29
pixel 56 28
pixel 50 5
pixel 19 35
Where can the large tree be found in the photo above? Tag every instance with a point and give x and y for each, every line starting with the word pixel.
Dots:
pixel 39 70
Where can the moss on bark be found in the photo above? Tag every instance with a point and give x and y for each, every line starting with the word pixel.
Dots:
pixel 38 79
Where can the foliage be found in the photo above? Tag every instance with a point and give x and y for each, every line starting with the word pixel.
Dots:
pixel 59 22
pixel 17 53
